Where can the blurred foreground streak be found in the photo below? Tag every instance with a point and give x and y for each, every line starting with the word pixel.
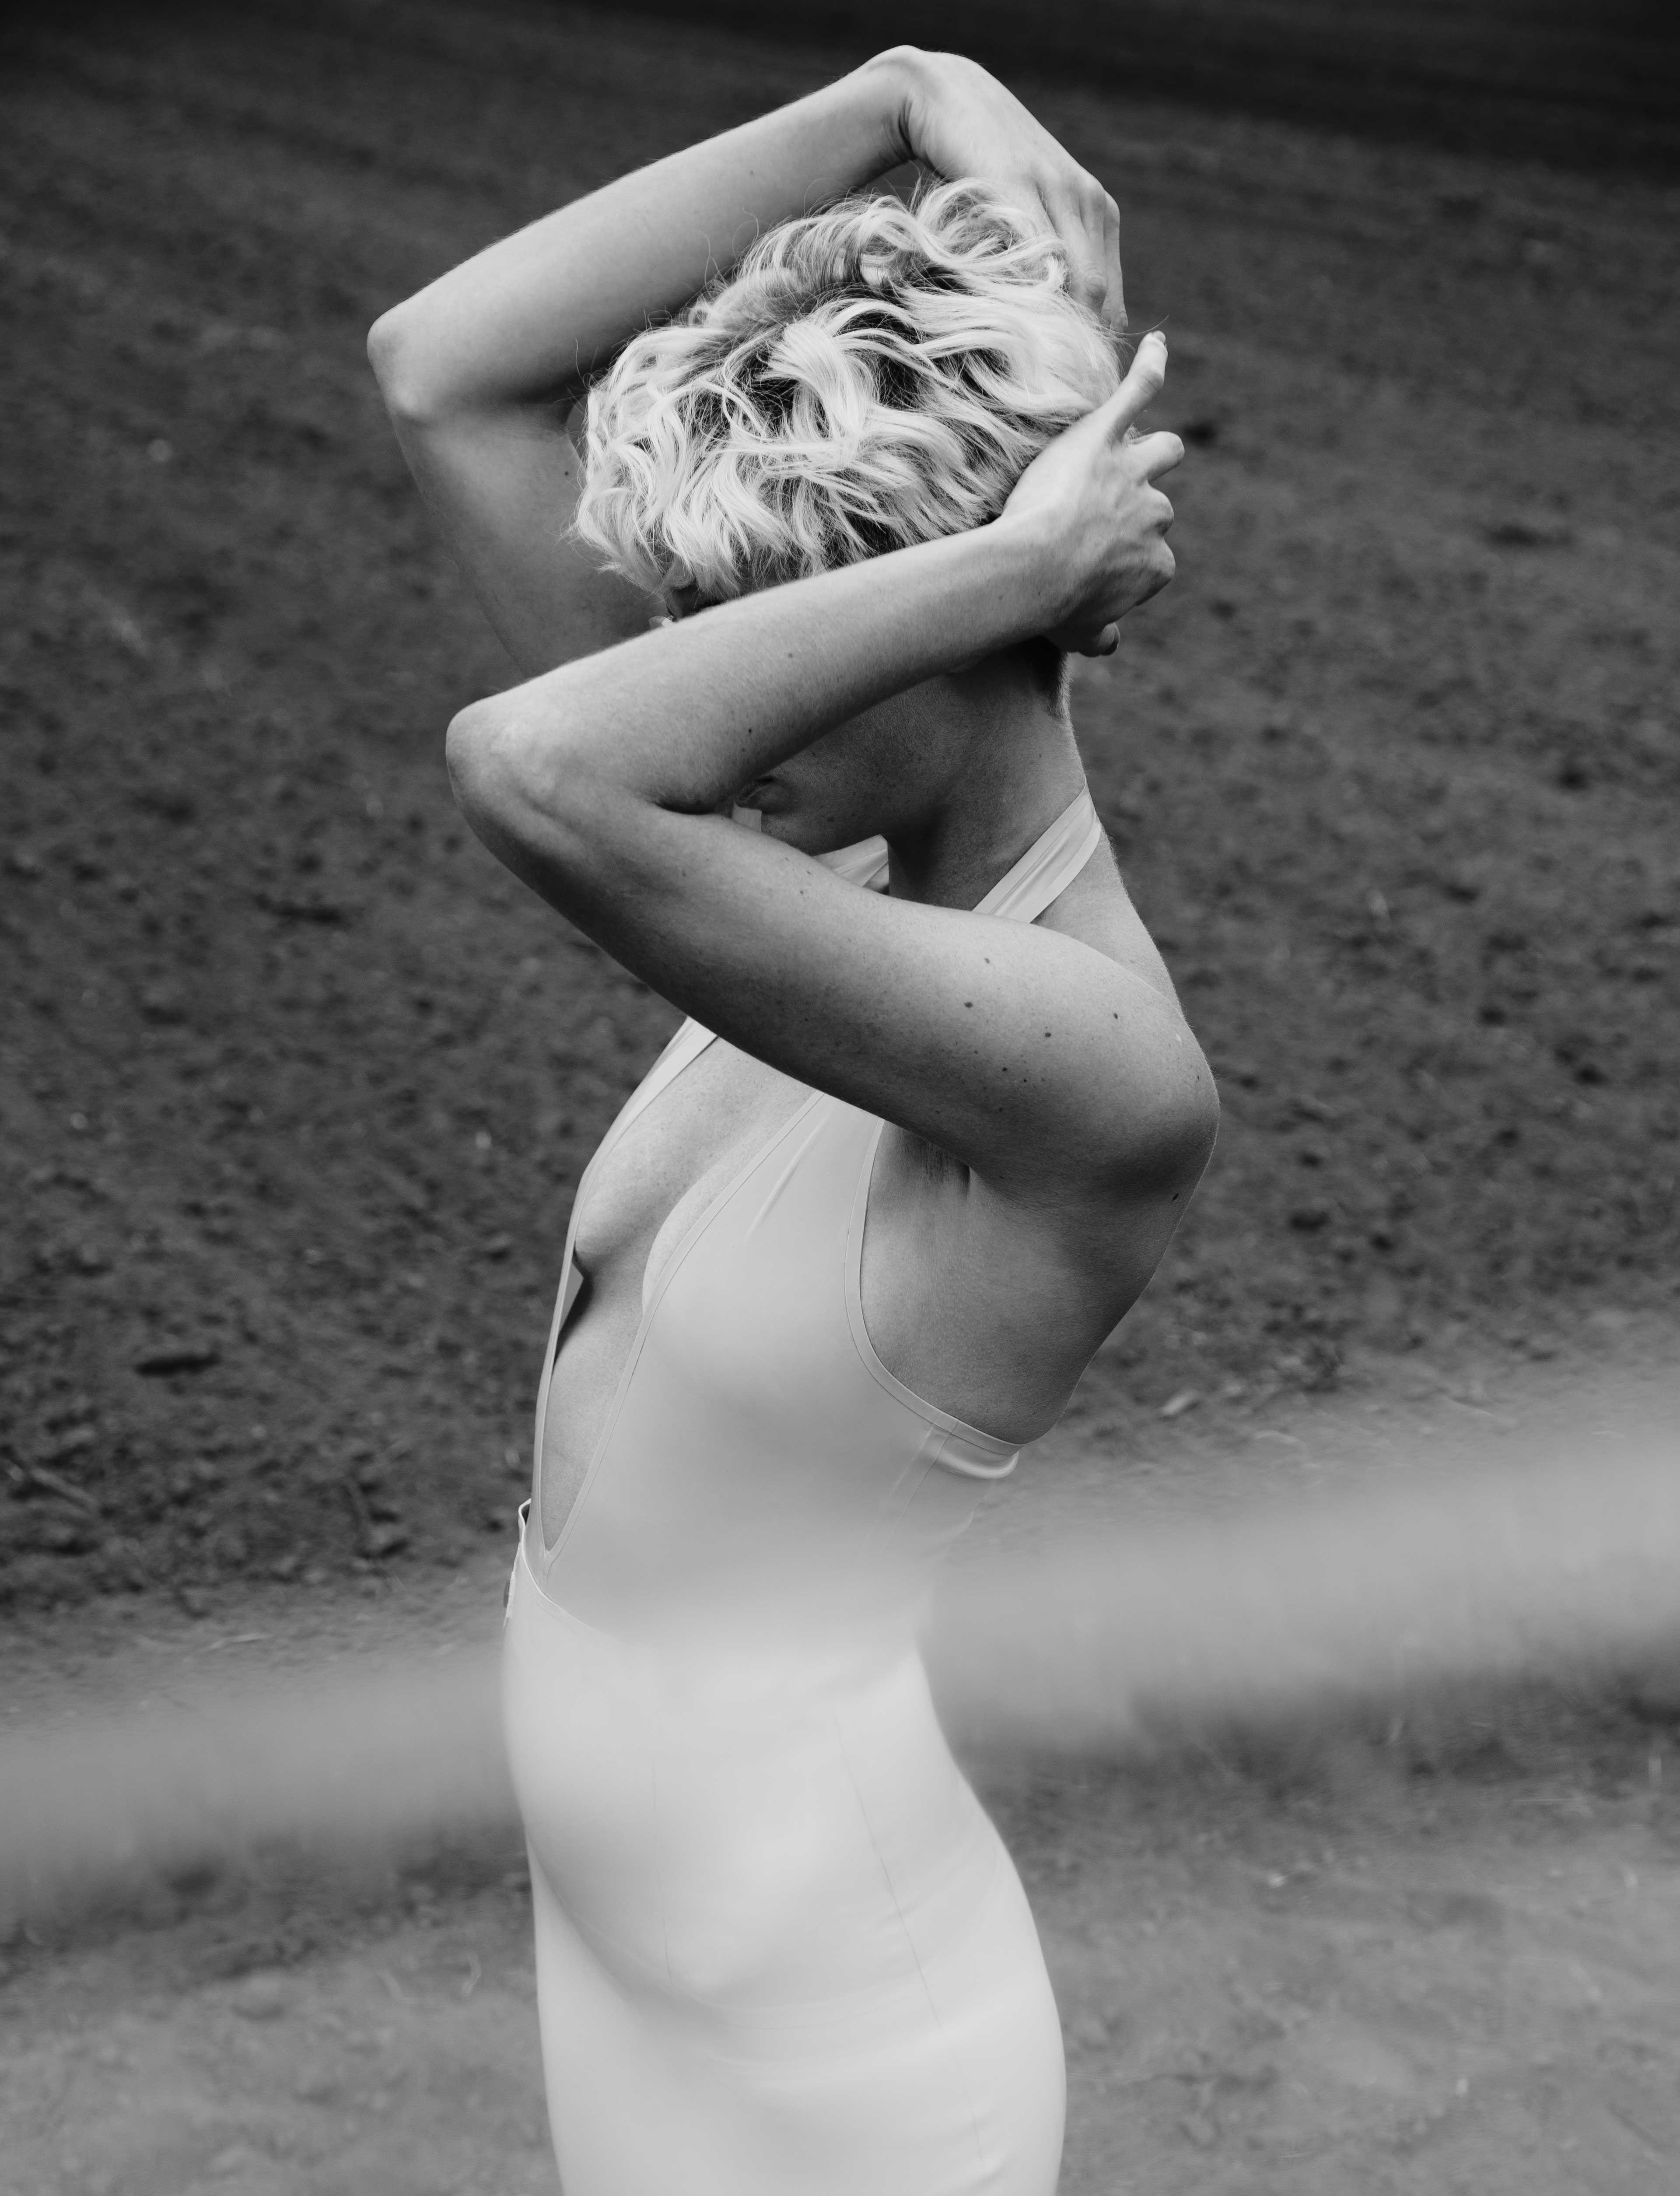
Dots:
pixel 1563 1567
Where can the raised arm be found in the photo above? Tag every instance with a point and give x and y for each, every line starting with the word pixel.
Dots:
pixel 1045 1066
pixel 480 369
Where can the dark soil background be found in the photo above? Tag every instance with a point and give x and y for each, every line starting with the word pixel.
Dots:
pixel 1585 82
pixel 296 1085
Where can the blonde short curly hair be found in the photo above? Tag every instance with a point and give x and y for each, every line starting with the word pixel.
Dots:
pixel 866 378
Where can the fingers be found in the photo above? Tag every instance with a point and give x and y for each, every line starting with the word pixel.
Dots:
pixel 1114 303
pixel 1077 219
pixel 1154 454
pixel 1165 565
pixel 1144 379
pixel 1087 223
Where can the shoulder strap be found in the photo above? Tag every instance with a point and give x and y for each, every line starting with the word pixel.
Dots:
pixel 690 1042
pixel 864 864
pixel 1049 866
pixel 1043 873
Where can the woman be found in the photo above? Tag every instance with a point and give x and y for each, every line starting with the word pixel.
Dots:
pixel 918 1148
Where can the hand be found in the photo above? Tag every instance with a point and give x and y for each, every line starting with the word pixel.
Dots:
pixel 949 113
pixel 1089 503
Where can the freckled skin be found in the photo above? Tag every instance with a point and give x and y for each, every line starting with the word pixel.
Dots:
pixel 1010 1218
pixel 1021 1199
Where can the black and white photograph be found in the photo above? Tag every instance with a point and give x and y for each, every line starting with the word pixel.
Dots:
pixel 839 1098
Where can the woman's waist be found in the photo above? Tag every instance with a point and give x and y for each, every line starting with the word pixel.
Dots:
pixel 721 1588
pixel 724 1828
pixel 750 1634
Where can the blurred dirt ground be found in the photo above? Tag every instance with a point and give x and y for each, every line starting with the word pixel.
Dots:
pixel 1320 1991
pixel 296 1086
pixel 1432 1953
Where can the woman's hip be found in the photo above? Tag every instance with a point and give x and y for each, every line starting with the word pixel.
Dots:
pixel 737 1844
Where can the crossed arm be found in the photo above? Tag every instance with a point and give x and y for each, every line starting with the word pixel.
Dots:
pixel 1025 1054
pixel 480 369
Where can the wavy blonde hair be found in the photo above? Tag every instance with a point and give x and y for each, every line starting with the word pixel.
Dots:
pixel 867 378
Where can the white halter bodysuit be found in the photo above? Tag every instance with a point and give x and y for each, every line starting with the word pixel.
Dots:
pixel 781 1950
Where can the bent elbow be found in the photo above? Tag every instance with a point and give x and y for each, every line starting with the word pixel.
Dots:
pixel 1198 1122
pixel 475 753
pixel 517 784
pixel 393 354
pixel 1174 1138
pixel 385 345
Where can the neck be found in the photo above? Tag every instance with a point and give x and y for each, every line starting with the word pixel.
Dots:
pixel 1014 772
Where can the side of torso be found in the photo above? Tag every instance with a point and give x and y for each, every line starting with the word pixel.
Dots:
pixel 965 1299
pixel 636 1203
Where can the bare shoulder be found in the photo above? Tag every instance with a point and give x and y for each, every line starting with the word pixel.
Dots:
pixel 1097 909
pixel 1154 1125
pixel 1096 912
pixel 992 1285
